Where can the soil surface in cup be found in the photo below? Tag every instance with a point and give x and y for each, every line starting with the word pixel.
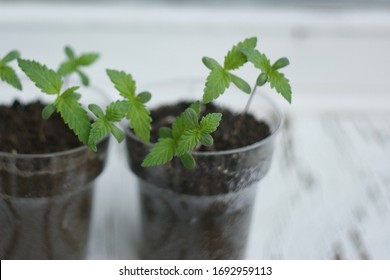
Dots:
pixel 226 137
pixel 23 131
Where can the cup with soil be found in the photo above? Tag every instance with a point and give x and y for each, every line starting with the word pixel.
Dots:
pixel 203 213
pixel 47 180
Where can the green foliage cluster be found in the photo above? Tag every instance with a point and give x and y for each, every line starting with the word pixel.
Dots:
pixel 189 130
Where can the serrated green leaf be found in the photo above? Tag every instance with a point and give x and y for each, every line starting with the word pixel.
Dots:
pixel 196 107
pixel 162 152
pixel 241 84
pixel 188 141
pixel 70 93
pixel 140 120
pixel 10 56
pixel 165 132
pixel 210 63
pixel 281 84
pixel 144 96
pixel 117 110
pixel 258 59
pixel 99 129
pixel 179 126
pixel 217 82
pixel 118 134
pixel 48 110
pixel 191 117
pixel 280 63
pixel 74 116
pixel 206 140
pixel 67 68
pixel 46 79
pixel 235 58
pixel 210 122
pixel 96 110
pixel 84 78
pixel 123 82
pixel 87 59
pixel 69 52
pixel 188 160
pixel 8 75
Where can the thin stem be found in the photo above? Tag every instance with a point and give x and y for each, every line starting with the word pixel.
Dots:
pixel 246 109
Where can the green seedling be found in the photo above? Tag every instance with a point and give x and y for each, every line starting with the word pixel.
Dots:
pixel 189 130
pixel 220 77
pixel 7 73
pixel 74 63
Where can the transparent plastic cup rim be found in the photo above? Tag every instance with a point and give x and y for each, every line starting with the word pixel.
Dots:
pixel 243 149
pixel 67 152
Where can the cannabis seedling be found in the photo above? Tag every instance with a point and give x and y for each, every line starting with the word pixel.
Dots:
pixel 7 73
pixel 74 64
pixel 220 77
pixel 187 132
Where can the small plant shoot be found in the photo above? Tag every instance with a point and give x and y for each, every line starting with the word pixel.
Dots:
pixel 74 63
pixel 189 131
pixel 220 78
pixel 66 101
pixel 7 73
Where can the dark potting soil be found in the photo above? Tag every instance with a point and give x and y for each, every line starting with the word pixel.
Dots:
pixel 45 202
pixel 226 137
pixel 23 131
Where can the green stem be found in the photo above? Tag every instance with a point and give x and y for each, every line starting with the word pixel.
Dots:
pixel 246 109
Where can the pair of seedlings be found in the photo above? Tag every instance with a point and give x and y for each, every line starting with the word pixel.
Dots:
pixel 189 130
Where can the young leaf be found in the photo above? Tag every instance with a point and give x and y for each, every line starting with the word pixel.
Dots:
pixel 87 59
pixel 235 58
pixel 123 82
pixel 188 160
pixel 118 134
pixel 84 78
pixel 96 110
pixel 280 63
pixel 210 122
pixel 74 63
pixel 10 56
pixel 74 115
pixel 45 79
pixel 181 125
pixel 144 96
pixel 190 117
pixel 259 60
pixel 8 75
pixel 48 110
pixel 117 110
pixel 217 82
pixel 140 120
pixel 210 63
pixel 162 152
pixel 99 129
pixel 165 132
pixel 281 84
pixel 261 79
pixel 206 140
pixel 196 107
pixel 69 52
pixel 240 83
pixel 188 141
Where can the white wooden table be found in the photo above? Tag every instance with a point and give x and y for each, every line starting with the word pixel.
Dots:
pixel 327 195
